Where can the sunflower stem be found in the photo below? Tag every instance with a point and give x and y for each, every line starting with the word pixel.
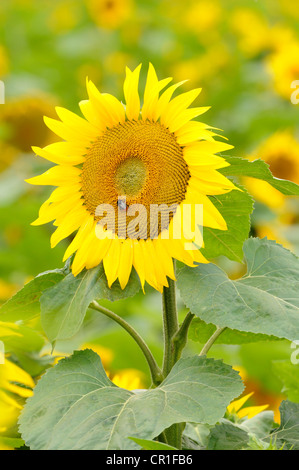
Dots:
pixel 180 338
pixel 156 373
pixel 211 340
pixel 171 326
pixel 174 433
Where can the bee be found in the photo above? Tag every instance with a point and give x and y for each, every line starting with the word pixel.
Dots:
pixel 122 204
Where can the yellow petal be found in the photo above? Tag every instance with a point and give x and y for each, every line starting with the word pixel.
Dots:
pixel 211 216
pixel 80 125
pixel 111 261
pixel 68 224
pixel 82 233
pixel 151 93
pixel 60 175
pixel 68 133
pixel 176 106
pixel 60 153
pixel 131 93
pixel 96 255
pixel 108 108
pixel 193 131
pixel 185 116
pixel 164 99
pixel 125 262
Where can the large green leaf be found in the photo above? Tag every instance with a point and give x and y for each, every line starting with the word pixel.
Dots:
pixel 147 444
pixel 236 207
pixel 265 300
pixel 76 406
pixel 63 307
pixel 227 436
pixel 258 169
pixel 288 432
pixel 200 332
pixel 24 305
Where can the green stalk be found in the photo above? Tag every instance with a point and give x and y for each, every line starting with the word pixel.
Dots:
pixel 155 371
pixel 173 434
pixel 170 324
pixel 211 340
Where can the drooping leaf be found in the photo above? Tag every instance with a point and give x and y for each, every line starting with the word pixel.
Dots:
pixel 63 307
pixel 265 300
pixel 258 169
pixel 227 436
pixel 24 305
pixel 76 406
pixel 200 332
pixel 235 207
pixel 288 432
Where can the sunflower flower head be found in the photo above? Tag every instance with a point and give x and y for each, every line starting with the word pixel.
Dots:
pixel 150 158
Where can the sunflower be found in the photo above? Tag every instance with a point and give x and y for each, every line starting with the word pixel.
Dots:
pixel 281 152
pixel 110 14
pixel 120 157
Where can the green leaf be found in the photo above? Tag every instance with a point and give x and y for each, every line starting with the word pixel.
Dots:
pixel 288 373
pixel 200 332
pixel 227 436
pixel 24 305
pixel 76 406
pixel 265 300
pixel 147 444
pixel 258 169
pixel 235 207
pixel 63 307
pixel 196 434
pixel 288 431
pixel 260 425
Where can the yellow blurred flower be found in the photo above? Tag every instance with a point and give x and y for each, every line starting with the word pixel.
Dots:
pixel 4 62
pixel 281 152
pixel 273 400
pixel 201 68
pixel 289 8
pixel 280 36
pixel 252 31
pixel 283 66
pixel 273 232
pixel 21 122
pixel 110 14
pixel 202 16
pixel 7 290
pixel 15 386
pixel 105 354
pixel 236 407
pixel 64 16
pixel 130 379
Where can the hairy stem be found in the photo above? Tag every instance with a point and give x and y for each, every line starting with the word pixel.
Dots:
pixel 180 338
pixel 174 433
pixel 170 324
pixel 211 340
pixel 155 371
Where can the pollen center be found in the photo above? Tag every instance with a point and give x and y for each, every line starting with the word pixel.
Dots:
pixel 139 160
pixel 130 176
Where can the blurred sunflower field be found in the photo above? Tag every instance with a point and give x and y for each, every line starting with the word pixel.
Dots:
pixel 245 58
